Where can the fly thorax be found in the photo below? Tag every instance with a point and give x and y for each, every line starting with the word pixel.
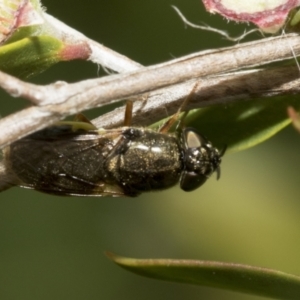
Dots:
pixel 148 160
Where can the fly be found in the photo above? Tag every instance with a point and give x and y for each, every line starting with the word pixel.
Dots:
pixel 77 159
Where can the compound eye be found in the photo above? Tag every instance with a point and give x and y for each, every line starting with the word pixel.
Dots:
pixel 190 181
pixel 192 139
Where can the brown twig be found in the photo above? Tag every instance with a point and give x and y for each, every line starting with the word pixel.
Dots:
pixel 74 98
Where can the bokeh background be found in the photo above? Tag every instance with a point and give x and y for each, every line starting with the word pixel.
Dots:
pixel 53 247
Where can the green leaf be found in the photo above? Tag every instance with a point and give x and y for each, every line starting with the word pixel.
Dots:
pixel 294 17
pixel 30 56
pixel 233 277
pixel 33 55
pixel 244 124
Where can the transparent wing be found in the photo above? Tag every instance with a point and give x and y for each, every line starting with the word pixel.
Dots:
pixel 62 161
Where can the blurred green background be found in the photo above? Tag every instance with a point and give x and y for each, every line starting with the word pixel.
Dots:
pixel 53 247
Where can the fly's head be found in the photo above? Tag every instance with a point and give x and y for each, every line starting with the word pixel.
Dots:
pixel 200 159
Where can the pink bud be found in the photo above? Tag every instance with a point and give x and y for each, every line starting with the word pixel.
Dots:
pixel 268 15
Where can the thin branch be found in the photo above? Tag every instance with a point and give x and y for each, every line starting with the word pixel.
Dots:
pixel 227 88
pixel 212 29
pixel 101 55
pixel 57 101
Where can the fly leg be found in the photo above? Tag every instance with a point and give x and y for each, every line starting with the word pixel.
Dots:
pixel 127 135
pixel 128 113
pixel 121 145
pixel 172 120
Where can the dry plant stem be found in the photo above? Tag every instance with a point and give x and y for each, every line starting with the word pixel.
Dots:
pixel 239 86
pixel 96 92
pixel 212 29
pixel 101 55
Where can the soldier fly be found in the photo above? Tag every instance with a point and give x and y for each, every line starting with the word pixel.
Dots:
pixel 77 159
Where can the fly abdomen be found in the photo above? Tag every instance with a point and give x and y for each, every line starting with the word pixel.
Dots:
pixel 54 160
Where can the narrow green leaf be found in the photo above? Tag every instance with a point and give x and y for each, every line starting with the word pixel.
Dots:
pixel 30 56
pixel 33 55
pixel 244 124
pixel 294 17
pixel 233 277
